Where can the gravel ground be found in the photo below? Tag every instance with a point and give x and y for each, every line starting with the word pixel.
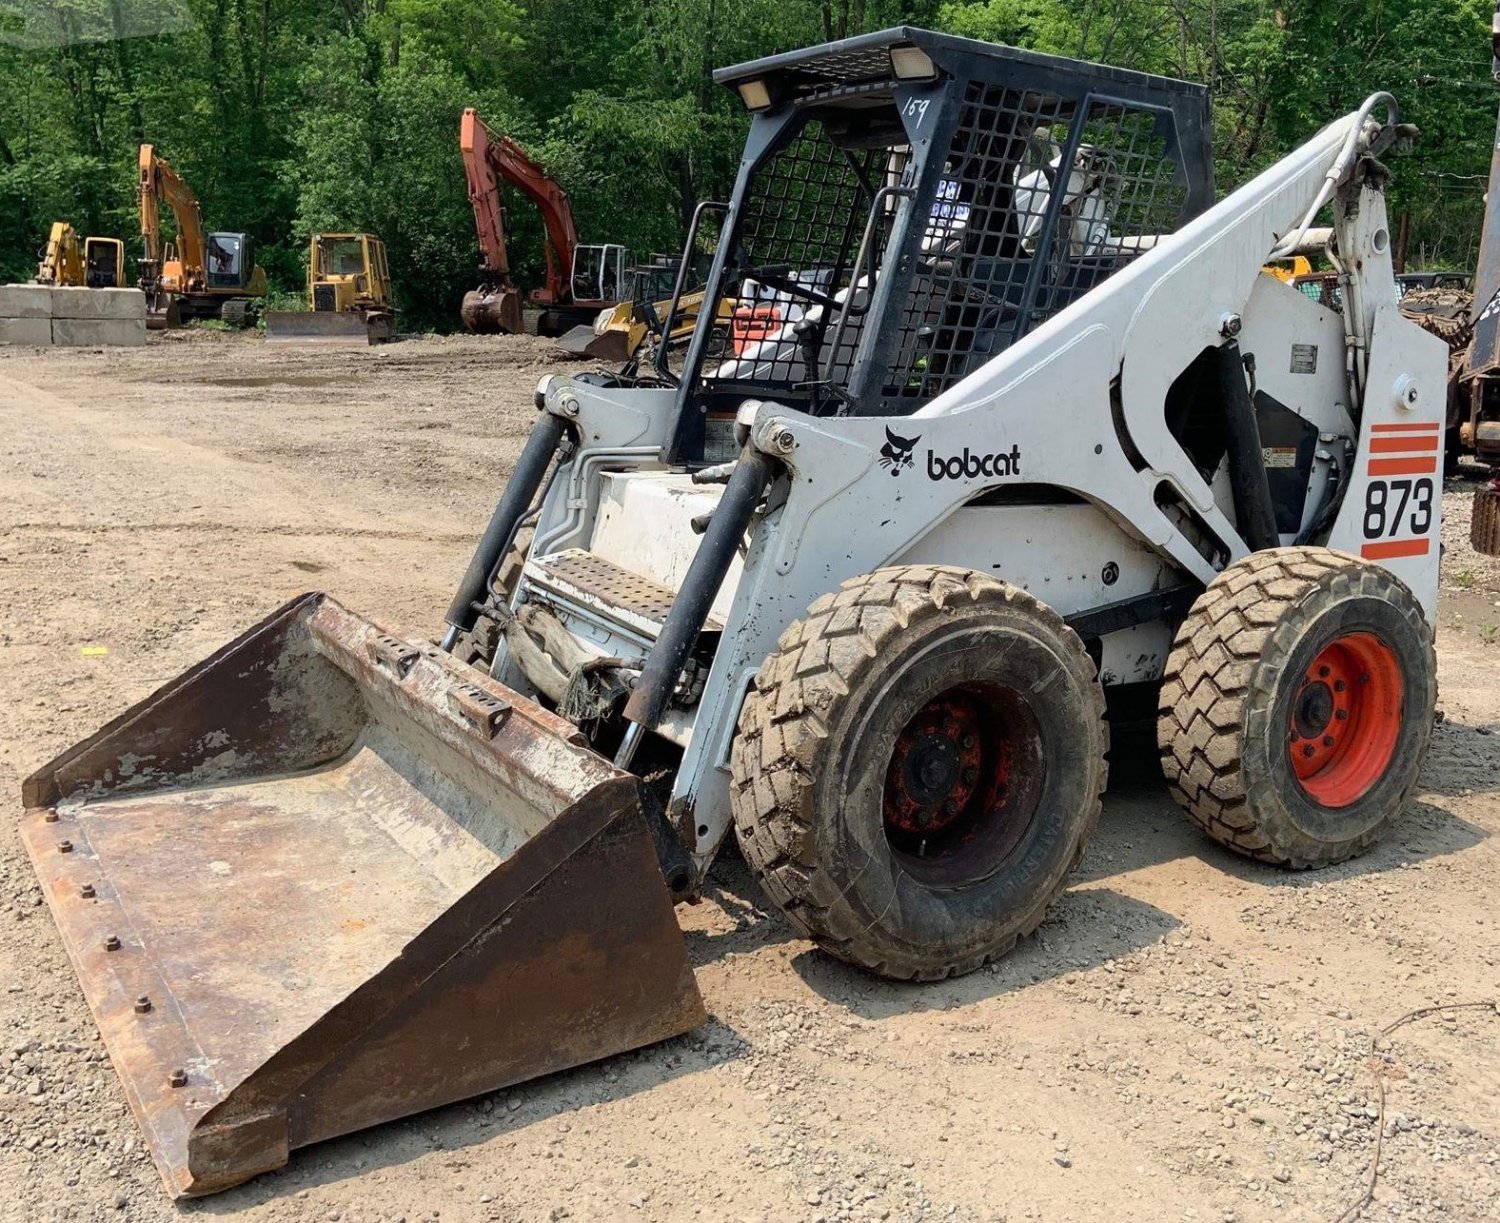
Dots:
pixel 1190 1036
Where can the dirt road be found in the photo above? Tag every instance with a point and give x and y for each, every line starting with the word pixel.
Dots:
pixel 1189 1036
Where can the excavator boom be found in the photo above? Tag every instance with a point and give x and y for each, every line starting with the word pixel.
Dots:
pixel 162 184
pixel 62 262
pixel 489 159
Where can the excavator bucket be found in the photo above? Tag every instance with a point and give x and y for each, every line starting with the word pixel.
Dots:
pixel 162 312
pixel 328 878
pixel 489 311
pixel 334 328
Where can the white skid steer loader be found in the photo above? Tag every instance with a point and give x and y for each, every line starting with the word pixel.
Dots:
pixel 1033 428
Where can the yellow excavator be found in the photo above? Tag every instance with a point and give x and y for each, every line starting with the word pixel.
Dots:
pixel 94 263
pixel 199 275
pixel 348 295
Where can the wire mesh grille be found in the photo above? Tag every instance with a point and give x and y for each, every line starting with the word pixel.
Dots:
pixel 1011 239
pixel 797 239
pixel 968 296
pixel 1123 193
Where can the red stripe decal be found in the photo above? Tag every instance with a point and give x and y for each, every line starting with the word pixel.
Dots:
pixel 1416 426
pixel 1396 547
pixel 1403 467
pixel 1403 445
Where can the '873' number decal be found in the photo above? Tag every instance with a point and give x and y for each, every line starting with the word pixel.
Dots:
pixel 1398 507
pixel 1401 497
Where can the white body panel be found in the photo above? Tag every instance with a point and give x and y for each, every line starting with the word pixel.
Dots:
pixel 1077 405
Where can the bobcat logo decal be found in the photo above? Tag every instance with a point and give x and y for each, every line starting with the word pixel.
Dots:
pixel 896 453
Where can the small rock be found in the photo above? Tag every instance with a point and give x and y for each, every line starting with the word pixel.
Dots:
pixel 1062 1161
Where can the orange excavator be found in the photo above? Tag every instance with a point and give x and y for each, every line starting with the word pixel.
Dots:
pixel 199 275
pixel 582 279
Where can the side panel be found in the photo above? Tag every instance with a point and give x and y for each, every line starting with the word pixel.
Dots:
pixel 1392 510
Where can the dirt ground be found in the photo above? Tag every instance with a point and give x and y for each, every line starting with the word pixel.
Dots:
pixel 1188 1037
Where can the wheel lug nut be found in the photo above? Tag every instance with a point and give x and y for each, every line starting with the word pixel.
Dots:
pixel 1339 685
pixel 1324 672
pixel 1341 714
pixel 1308 749
pixel 1327 740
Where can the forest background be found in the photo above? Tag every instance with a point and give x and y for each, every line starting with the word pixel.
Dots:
pixel 293 116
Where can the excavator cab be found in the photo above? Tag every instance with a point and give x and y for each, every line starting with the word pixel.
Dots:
pixel 104 263
pixel 229 261
pixel 599 275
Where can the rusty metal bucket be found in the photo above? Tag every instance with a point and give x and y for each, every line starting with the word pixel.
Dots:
pixel 492 310
pixel 328 878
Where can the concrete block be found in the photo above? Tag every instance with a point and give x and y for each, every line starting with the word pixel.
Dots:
pixel 30 331
pixel 98 303
pixel 25 301
pixel 99 333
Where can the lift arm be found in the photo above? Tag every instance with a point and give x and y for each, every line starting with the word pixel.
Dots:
pixel 62 264
pixel 161 184
pixel 488 159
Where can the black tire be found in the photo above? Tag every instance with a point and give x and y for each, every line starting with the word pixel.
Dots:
pixel 1297 705
pixel 1484 526
pixel 918 769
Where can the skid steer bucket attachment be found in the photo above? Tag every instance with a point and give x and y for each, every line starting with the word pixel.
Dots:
pixel 335 328
pixel 328 878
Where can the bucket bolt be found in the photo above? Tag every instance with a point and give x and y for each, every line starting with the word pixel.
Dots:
pixel 143 1004
pixel 65 847
pixel 178 1078
pixel 112 943
pixel 87 891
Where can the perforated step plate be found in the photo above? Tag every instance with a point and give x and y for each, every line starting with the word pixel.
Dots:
pixel 599 586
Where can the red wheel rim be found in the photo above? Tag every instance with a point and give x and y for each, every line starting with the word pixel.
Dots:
pixel 1345 719
pixel 963 781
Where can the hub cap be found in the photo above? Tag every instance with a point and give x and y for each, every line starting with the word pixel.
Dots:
pixel 1345 719
pixel 963 780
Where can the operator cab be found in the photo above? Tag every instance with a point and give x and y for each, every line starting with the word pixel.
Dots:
pixel 909 204
pixel 229 261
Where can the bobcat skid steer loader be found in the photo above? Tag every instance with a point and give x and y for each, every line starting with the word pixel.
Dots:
pixel 1029 426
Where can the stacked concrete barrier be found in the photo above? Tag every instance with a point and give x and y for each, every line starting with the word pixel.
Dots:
pixel 45 317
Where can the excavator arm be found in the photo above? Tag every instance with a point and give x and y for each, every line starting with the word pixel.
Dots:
pixel 488 159
pixel 160 184
pixel 62 263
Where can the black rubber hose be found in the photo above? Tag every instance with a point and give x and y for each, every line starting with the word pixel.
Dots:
pixel 1254 511
pixel 515 502
pixel 721 542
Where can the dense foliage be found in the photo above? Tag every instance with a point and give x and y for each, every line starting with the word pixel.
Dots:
pixel 293 115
